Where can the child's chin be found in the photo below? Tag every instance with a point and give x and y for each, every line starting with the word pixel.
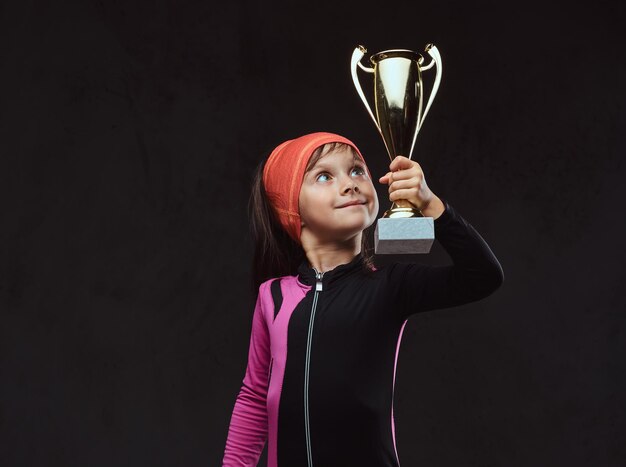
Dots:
pixel 356 228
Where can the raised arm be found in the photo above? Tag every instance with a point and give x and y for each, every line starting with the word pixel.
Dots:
pixel 247 432
pixel 475 273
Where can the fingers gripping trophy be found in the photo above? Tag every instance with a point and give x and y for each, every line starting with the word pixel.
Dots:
pixel 398 99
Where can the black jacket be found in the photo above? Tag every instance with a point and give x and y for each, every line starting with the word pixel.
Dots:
pixel 323 351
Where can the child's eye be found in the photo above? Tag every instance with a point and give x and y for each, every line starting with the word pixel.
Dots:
pixel 359 169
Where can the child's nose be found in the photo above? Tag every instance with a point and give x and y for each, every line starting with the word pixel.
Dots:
pixel 351 186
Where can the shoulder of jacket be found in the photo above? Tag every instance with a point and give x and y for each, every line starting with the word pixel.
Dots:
pixel 287 283
pixel 267 283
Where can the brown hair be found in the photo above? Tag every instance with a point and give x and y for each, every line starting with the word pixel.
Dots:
pixel 275 252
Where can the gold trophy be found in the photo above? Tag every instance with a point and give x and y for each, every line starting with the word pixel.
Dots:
pixel 398 99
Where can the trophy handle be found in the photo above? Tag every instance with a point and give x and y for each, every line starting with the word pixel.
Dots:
pixel 357 55
pixel 436 60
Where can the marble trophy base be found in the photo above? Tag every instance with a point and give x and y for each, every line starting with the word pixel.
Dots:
pixel 403 235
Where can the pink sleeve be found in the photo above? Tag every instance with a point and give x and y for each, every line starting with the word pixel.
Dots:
pixel 247 433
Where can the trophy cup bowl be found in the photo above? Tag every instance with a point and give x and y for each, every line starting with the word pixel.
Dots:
pixel 398 101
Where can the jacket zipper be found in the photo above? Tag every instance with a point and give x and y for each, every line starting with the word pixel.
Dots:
pixel 318 288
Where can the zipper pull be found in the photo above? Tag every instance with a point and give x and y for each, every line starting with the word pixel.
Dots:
pixel 318 283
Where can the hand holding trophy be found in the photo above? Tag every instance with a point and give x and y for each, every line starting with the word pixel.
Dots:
pixel 398 99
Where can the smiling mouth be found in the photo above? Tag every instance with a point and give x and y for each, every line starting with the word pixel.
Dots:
pixel 351 205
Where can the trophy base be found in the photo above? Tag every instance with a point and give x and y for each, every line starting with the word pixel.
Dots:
pixel 409 235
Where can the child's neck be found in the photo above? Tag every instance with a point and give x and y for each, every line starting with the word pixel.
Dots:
pixel 327 257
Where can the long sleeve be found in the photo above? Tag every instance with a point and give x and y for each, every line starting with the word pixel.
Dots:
pixel 247 432
pixel 474 274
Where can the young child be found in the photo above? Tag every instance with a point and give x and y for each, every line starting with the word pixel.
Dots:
pixel 327 323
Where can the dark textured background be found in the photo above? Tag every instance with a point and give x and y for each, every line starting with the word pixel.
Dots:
pixel 128 135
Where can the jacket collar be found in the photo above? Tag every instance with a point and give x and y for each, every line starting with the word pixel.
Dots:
pixel 306 273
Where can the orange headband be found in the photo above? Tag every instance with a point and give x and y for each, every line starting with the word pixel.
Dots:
pixel 284 172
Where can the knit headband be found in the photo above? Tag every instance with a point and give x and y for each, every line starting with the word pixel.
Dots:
pixel 284 172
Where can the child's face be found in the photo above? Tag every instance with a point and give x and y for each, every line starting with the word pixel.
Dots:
pixel 336 179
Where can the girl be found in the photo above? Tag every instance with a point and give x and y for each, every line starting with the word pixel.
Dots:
pixel 327 323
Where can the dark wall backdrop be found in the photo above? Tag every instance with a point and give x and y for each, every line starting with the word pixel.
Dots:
pixel 128 136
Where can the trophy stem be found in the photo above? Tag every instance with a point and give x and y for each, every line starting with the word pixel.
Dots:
pixel 402 208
